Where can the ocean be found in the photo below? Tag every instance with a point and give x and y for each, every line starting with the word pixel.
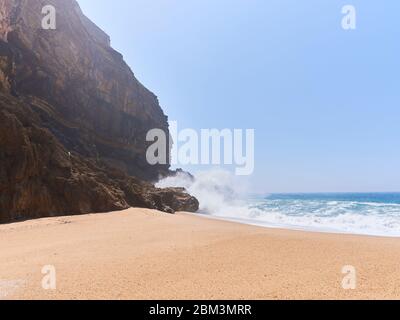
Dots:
pixel 356 213
pixel 222 196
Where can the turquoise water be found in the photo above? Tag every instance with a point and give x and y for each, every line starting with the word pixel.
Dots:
pixel 358 213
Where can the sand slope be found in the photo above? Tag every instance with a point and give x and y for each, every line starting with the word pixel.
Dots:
pixel 144 254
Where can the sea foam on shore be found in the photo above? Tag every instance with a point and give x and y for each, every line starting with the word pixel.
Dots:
pixel 222 196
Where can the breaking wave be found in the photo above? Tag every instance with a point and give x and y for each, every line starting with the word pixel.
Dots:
pixel 222 195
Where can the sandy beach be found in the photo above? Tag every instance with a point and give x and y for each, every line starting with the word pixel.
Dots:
pixel 144 254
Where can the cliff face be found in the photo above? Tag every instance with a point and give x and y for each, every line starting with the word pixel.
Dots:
pixel 73 120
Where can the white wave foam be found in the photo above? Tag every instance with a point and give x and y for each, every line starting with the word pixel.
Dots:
pixel 218 191
pixel 221 195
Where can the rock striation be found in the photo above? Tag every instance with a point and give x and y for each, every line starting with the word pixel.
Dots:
pixel 73 120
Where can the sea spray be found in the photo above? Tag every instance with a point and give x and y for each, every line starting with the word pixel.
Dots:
pixel 222 195
pixel 219 192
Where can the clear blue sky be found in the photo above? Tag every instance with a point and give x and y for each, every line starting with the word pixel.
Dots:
pixel 325 103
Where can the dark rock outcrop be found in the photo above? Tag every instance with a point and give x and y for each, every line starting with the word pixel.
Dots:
pixel 73 120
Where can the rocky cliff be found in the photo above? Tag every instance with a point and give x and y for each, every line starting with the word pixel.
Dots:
pixel 73 120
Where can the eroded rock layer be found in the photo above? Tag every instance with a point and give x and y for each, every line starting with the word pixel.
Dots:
pixel 73 120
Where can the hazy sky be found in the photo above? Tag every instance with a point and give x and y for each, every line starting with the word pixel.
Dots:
pixel 325 103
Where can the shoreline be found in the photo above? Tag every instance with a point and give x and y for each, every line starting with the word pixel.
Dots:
pixel 144 254
pixel 248 222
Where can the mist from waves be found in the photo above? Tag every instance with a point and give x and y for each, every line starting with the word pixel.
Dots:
pixel 223 195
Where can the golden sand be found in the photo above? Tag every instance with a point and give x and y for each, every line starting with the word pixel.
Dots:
pixel 144 254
